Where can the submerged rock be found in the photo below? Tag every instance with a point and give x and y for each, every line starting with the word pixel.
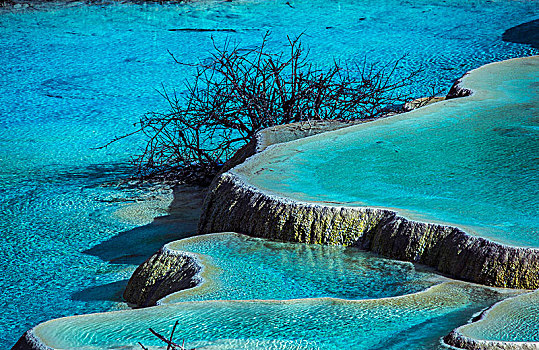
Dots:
pixel 165 272
pixel 525 33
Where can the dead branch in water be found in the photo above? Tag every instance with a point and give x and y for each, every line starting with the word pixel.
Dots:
pixel 171 345
pixel 237 92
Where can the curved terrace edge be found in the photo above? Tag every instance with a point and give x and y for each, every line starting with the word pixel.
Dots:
pixel 233 204
pixel 459 339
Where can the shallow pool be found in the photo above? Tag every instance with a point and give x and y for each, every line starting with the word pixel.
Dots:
pixel 74 76
pixel 470 162
pixel 242 268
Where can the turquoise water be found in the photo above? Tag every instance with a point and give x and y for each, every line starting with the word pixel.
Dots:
pixel 72 77
pixel 468 162
pixel 238 269
pixel 246 268
pixel 410 322
pixel 514 320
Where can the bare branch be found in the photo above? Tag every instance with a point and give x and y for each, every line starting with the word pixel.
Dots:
pixel 237 92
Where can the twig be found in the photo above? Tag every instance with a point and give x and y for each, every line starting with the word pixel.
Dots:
pixel 237 92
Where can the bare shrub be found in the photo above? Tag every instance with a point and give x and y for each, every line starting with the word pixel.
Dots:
pixel 237 92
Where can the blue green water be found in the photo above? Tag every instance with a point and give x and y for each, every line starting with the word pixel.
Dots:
pixel 513 320
pixel 331 287
pixel 470 162
pixel 246 268
pixel 72 77
pixel 410 322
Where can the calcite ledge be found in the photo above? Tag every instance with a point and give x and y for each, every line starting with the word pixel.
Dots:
pixel 458 339
pixel 233 204
pixel 29 341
